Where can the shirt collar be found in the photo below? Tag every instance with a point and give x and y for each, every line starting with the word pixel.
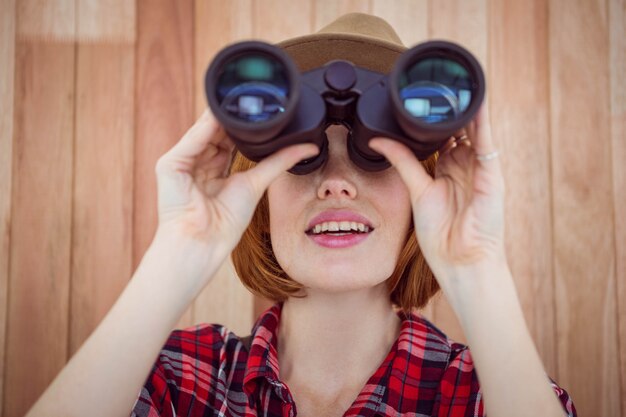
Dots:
pixel 263 357
pixel 417 338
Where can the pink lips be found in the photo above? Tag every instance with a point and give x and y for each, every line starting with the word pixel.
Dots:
pixel 333 241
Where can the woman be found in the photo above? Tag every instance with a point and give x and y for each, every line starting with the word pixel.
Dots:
pixel 335 344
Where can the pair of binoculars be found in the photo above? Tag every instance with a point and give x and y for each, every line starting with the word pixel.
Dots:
pixel 264 103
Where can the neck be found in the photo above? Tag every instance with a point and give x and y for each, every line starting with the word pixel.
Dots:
pixel 336 340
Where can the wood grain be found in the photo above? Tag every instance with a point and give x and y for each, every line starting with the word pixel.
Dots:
pixel 103 186
pixel 409 18
pixel 584 240
pixel 46 20
pixel 518 85
pixel 81 79
pixel 41 222
pixel 325 11
pixel 465 23
pixel 617 66
pixel 106 21
pixel 225 300
pixel 461 21
pixel 7 57
pixel 163 105
pixel 277 20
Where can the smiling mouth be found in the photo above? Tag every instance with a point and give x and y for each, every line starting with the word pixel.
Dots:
pixel 342 228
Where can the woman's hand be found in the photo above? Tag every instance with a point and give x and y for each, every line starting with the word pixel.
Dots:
pixel 200 212
pixel 458 215
pixel 199 206
pixel 459 222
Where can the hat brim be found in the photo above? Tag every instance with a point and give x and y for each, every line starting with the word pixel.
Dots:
pixel 312 51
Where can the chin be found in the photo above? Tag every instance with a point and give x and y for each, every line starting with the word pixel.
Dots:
pixel 342 278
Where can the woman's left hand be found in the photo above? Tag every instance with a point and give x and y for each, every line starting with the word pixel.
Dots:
pixel 459 214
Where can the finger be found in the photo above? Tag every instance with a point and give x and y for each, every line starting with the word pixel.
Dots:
pixel 488 172
pixel 266 171
pixel 207 175
pixel 195 141
pixel 408 166
pixel 483 139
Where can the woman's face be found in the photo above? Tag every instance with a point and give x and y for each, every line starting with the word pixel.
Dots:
pixel 309 215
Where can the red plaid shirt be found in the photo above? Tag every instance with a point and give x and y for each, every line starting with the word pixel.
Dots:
pixel 207 371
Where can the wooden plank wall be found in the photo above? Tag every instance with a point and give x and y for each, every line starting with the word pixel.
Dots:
pixel 617 70
pixel 93 92
pixel 582 194
pixel 7 57
pixel 164 106
pixel 38 325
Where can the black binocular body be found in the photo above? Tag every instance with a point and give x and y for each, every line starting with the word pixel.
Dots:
pixel 264 103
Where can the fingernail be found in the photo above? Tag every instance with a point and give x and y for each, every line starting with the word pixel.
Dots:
pixel 310 150
pixel 374 142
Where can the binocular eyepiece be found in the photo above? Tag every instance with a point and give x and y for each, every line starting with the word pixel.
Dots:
pixel 264 103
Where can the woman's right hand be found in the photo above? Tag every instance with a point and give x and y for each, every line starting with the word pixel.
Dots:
pixel 202 215
pixel 200 207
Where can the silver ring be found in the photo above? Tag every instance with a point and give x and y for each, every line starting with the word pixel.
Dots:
pixel 488 156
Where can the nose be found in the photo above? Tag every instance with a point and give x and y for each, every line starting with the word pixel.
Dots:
pixel 337 176
pixel 336 187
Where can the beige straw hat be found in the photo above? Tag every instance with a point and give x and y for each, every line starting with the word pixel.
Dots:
pixel 367 41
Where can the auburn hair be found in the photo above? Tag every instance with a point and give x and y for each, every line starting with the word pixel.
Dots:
pixel 411 285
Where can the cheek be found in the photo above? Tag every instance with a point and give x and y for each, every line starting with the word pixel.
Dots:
pixel 403 210
pixel 283 218
pixel 395 201
pixel 278 192
pixel 277 217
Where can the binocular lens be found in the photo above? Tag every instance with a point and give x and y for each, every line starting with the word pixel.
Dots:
pixel 435 90
pixel 253 88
